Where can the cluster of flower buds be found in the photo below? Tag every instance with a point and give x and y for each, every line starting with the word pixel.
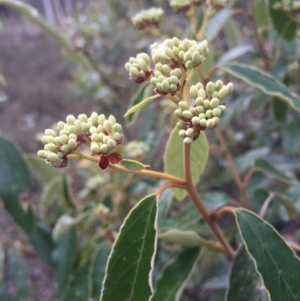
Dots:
pixel 206 111
pixel 174 52
pixel 139 68
pixel 148 18
pixel 171 58
pixel 136 149
pixel 100 134
pixel 165 79
pixel 287 5
pixel 180 5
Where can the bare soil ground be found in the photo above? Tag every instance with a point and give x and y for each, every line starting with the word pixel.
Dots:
pixel 37 76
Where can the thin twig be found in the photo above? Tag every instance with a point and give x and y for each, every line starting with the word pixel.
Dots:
pixel 167 185
pixel 266 204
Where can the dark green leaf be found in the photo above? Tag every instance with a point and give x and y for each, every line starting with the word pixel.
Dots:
pixel 41 240
pixel 244 281
pixel 175 275
pixel 291 137
pixel 279 109
pixel 215 200
pixel 173 159
pixel 285 25
pixel 133 165
pixel 64 257
pixel 269 169
pixel 263 81
pixel 15 179
pixel 274 260
pixel 129 269
pixel 97 271
pixel 78 288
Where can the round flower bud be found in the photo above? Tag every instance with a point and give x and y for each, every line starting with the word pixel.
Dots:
pixel 202 116
pixel 72 129
pixel 193 92
pixel 216 112
pixel 103 149
pixel 210 87
pixel 206 104
pixel 200 109
pixel 201 93
pixel 44 139
pixel 101 119
pixel 51 147
pixel 216 120
pixel 50 139
pixel 183 105
pixel 95 149
pixel 195 120
pixel 190 132
pixel 78 126
pixel 53 157
pixel 199 101
pixel 60 125
pixel 180 125
pixel 229 87
pixel 133 72
pixel 187 140
pixel 203 122
pixel 72 144
pixel 94 118
pixel 117 136
pixel 117 127
pixel 82 117
pixel 70 119
pixel 209 114
pixel 197 58
pixel 178 112
pixel 165 86
pixel 112 119
pixel 64 139
pixel 182 133
pixel 66 148
pixel 111 143
pixel 222 108
pixel 108 127
pixel 223 93
pixel 210 124
pixel 214 102
pixel 95 137
pixel 50 132
pixel 173 88
pixel 42 154
pixel 174 80
pixel 218 85
pixel 72 136
pixel 187 114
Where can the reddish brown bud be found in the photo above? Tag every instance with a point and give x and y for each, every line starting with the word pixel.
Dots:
pixel 115 158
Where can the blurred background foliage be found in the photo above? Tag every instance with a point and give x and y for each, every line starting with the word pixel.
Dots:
pixel 71 218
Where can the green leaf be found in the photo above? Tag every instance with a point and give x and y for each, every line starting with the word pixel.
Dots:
pixel 175 275
pixel 78 288
pixel 288 205
pixel 216 23
pixel 133 165
pixel 141 105
pixel 141 93
pixel 97 271
pixel 261 14
pixel 244 281
pixel 64 257
pixel 279 109
pixel 173 159
pixel 15 179
pixel 42 242
pixel 63 225
pixel 129 269
pixel 215 200
pixel 32 14
pixel 284 25
pixel 269 169
pixel 265 82
pixel 44 172
pixel 17 277
pixel 187 238
pixel 291 138
pixel 274 260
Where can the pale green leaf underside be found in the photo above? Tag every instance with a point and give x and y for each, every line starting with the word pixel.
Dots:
pixel 129 269
pixel 265 82
pixel 132 164
pixel 175 275
pixel 274 260
pixel 244 281
pixel 173 159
